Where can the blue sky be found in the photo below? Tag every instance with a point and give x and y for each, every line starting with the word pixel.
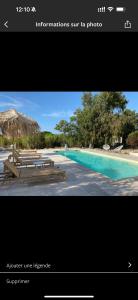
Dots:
pixel 48 108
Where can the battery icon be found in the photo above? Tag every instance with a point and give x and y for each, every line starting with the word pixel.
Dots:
pixel 120 9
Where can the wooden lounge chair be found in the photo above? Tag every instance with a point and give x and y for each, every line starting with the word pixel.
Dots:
pixel 26 175
pixel 28 151
pixel 18 161
pixel 30 155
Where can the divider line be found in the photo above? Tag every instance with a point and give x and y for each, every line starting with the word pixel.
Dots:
pixel 68 272
pixel 69 296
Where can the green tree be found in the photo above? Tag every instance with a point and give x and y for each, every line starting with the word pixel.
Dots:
pixel 128 123
pixel 114 101
pixel 87 100
pixel 101 118
pixel 62 126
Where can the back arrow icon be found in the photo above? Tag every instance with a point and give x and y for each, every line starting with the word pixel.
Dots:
pixel 5 24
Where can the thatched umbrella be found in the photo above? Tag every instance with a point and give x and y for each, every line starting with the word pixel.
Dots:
pixel 14 124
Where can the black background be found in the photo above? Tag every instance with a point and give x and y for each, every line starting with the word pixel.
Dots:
pixel 74 234
pixel 73 61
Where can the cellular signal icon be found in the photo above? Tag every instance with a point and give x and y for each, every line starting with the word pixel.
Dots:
pixel 101 9
pixel 110 8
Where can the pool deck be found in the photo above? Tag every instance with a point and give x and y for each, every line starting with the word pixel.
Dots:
pixel 80 180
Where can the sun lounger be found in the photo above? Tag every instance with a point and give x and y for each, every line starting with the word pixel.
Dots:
pixel 2 149
pixel 18 161
pixel 30 155
pixel 106 147
pixel 117 149
pixel 28 151
pixel 26 175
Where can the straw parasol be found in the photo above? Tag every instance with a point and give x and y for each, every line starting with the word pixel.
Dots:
pixel 14 124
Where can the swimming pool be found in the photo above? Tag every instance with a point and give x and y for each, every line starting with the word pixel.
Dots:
pixel 113 168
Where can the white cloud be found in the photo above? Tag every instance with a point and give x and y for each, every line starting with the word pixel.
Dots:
pixel 11 102
pixel 59 114
pixel 29 103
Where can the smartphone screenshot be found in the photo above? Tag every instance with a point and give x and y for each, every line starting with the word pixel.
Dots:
pixel 68 149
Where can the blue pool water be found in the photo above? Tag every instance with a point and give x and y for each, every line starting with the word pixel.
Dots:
pixel 112 168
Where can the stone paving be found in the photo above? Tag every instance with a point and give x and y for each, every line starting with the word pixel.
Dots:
pixel 80 182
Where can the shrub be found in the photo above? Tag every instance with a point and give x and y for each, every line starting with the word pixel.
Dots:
pixel 132 139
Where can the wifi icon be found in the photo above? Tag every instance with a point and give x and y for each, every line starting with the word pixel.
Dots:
pixel 110 8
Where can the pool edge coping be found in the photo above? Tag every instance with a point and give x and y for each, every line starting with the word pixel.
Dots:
pixel 106 155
